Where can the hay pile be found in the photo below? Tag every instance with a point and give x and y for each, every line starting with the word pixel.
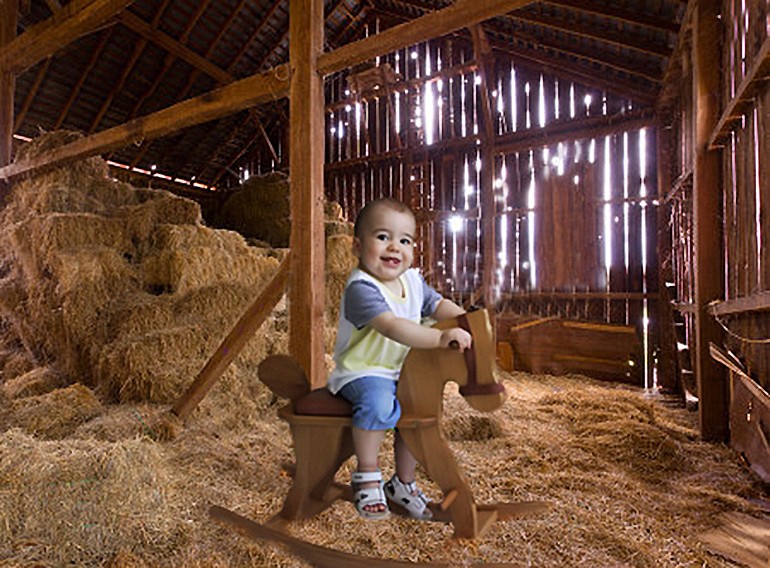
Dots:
pixel 119 289
pixel 101 327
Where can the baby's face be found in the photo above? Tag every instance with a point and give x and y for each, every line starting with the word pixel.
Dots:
pixel 385 248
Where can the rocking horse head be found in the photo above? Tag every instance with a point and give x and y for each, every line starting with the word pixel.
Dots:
pixel 426 371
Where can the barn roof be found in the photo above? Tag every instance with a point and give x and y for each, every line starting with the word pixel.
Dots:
pixel 156 53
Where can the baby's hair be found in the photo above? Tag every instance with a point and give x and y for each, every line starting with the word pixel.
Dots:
pixel 367 209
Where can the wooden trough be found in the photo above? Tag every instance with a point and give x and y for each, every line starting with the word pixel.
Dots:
pixel 558 346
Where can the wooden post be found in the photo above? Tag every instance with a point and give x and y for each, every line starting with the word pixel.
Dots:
pixel 8 18
pixel 713 395
pixel 306 155
pixel 486 68
pixel 667 377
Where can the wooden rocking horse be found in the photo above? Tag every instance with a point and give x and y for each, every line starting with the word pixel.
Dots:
pixel 321 427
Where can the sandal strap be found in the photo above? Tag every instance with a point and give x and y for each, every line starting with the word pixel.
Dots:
pixel 365 476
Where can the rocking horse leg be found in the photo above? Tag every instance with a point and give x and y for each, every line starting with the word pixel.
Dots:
pixel 430 448
pixel 320 450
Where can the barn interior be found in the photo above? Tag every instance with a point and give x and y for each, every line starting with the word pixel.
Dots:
pixel 179 181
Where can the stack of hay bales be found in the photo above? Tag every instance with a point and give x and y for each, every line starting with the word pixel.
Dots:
pixel 119 289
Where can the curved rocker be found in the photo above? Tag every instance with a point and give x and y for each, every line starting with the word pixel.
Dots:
pixel 321 427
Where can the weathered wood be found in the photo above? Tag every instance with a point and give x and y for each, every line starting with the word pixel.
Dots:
pixel 558 346
pixel 743 100
pixel 741 538
pixel 74 20
pixel 151 33
pixel 234 97
pixel 713 394
pixel 232 345
pixel 754 302
pixel 8 18
pixel 306 151
pixel 667 374
pixel 483 53
pixel 441 22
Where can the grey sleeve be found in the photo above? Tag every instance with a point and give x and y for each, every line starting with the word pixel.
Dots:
pixel 363 303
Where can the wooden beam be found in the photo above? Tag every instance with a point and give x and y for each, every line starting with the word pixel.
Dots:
pixel 244 329
pixel 41 72
pixel 713 392
pixel 483 54
pixel 759 301
pixel 234 97
pixel 667 371
pixel 75 90
pixel 306 151
pixel 561 131
pixel 151 33
pixel 441 22
pixel 8 19
pixel 76 19
pixel 752 84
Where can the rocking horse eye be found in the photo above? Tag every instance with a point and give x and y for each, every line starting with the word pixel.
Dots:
pixel 454 344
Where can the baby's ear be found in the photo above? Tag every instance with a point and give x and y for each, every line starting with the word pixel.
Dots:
pixel 356 247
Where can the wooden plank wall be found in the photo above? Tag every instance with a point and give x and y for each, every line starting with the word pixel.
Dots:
pixel 576 221
pixel 747 192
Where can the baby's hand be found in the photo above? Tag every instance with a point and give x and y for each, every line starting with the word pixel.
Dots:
pixel 455 334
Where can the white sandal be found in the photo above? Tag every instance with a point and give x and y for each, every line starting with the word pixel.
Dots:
pixel 408 497
pixel 369 496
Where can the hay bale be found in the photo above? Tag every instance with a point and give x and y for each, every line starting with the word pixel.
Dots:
pixel 259 209
pixel 37 381
pixel 194 257
pixel 154 366
pixel 57 414
pixel 339 255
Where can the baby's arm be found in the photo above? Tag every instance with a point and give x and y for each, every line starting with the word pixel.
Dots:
pixel 446 309
pixel 419 336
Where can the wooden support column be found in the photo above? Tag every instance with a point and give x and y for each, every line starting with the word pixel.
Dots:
pixel 486 67
pixel 713 394
pixel 306 168
pixel 667 376
pixel 8 19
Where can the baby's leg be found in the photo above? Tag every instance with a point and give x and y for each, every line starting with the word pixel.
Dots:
pixel 375 409
pixel 406 463
pixel 366 444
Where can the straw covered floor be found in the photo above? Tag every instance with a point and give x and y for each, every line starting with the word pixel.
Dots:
pixel 113 298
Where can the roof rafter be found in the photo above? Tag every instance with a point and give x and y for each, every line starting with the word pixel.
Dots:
pixel 74 20
pixel 232 98
pixel 618 13
pixel 441 22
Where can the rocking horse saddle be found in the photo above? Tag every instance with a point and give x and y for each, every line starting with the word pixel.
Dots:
pixel 283 375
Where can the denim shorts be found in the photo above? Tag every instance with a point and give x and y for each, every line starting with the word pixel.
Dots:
pixel 375 406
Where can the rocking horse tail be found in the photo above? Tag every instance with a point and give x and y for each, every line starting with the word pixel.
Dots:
pixel 283 375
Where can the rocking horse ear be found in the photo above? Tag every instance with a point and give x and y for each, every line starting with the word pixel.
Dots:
pixel 283 375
